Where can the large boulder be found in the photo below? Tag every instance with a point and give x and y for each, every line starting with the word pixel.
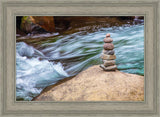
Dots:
pixel 46 22
pixel 94 84
pixel 37 24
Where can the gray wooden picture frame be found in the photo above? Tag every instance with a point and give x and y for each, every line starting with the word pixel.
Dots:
pixel 9 9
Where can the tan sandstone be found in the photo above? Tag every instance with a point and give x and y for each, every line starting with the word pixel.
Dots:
pixel 94 84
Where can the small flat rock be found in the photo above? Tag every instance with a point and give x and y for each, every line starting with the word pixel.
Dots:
pixel 107 57
pixel 107 63
pixel 108 35
pixel 109 68
pixel 108 52
pixel 108 46
pixel 108 40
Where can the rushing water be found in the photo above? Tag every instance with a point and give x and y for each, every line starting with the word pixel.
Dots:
pixel 67 55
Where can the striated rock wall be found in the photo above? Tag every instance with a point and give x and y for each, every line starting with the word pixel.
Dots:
pixel 94 84
pixel 44 24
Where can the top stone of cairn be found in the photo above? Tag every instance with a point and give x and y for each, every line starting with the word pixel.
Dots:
pixel 108 35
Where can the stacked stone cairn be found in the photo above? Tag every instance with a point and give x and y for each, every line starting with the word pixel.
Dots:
pixel 108 57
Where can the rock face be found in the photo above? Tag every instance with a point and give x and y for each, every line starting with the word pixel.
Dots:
pixel 37 24
pixel 46 22
pixel 94 84
pixel 64 23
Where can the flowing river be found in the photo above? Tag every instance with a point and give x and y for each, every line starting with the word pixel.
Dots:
pixel 63 56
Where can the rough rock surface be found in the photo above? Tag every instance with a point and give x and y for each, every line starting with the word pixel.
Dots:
pixel 94 84
pixel 46 22
pixel 108 40
pixel 108 46
pixel 108 57
pixel 109 68
pixel 108 62
pixel 108 35
pixel 109 52
pixel 37 24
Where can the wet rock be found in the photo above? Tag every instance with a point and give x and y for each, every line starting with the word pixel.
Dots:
pixel 108 40
pixel 108 57
pixel 108 62
pixel 109 68
pixel 108 46
pixel 108 52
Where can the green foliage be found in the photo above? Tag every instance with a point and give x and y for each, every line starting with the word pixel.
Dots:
pixel 26 19
pixel 26 23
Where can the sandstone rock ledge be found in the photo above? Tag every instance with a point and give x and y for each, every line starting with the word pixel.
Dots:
pixel 94 84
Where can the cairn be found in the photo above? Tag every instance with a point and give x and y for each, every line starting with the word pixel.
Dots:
pixel 108 57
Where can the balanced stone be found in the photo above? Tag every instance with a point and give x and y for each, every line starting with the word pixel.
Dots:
pixel 108 35
pixel 108 46
pixel 108 40
pixel 108 52
pixel 109 68
pixel 108 62
pixel 108 57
